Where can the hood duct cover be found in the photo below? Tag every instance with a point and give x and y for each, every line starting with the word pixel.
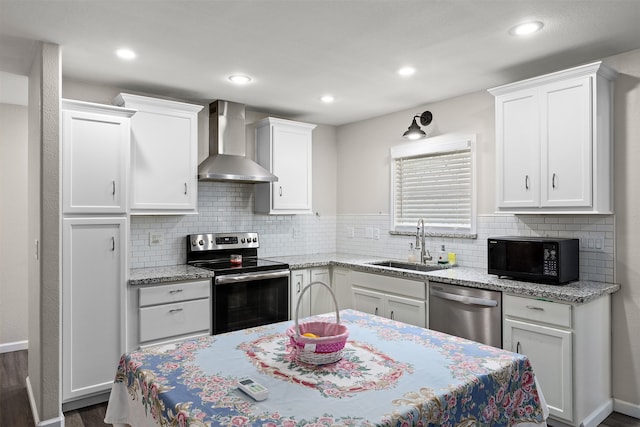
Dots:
pixel 227 159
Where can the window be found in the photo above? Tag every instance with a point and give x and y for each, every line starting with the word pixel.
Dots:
pixel 433 179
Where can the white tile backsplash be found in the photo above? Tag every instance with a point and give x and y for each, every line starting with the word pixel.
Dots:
pixel 225 207
pixel 596 265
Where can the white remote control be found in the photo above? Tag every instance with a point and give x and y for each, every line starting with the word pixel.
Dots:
pixel 253 389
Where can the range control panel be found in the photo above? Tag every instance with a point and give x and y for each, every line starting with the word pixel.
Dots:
pixel 221 241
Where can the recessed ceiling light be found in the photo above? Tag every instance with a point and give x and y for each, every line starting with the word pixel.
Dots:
pixel 327 99
pixel 125 53
pixel 406 71
pixel 526 28
pixel 239 79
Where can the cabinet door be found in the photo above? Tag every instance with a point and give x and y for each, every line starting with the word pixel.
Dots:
pixel 321 300
pixel 94 162
pixel 368 301
pixel 164 161
pixel 406 310
pixel 292 165
pixel 93 303
pixel 299 279
pixel 567 144
pixel 341 284
pixel 517 149
pixel 550 352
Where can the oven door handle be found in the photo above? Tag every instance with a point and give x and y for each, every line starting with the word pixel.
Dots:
pixel 249 277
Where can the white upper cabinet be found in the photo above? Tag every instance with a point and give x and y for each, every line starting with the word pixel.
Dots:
pixel 95 157
pixel 554 148
pixel 284 148
pixel 164 155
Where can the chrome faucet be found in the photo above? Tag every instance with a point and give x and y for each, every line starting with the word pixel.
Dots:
pixel 424 252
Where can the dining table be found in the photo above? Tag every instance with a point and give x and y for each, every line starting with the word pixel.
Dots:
pixel 389 374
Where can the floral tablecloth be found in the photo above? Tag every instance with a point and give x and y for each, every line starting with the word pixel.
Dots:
pixel 391 374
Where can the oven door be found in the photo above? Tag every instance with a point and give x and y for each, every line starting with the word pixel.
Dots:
pixel 253 299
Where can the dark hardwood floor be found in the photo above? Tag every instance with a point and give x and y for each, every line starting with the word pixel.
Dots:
pixel 16 412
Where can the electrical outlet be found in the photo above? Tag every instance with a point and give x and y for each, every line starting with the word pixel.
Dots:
pixel 156 238
pixel 296 232
pixel 351 232
pixel 376 233
pixel 368 233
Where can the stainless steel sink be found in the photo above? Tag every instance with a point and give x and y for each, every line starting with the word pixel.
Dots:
pixel 407 265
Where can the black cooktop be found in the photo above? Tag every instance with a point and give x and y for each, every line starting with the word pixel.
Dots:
pixel 249 265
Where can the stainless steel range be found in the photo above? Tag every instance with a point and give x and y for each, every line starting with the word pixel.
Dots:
pixel 247 291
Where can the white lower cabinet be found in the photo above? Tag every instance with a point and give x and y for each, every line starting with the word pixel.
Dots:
pixel 94 252
pixel 569 347
pixel 316 300
pixel 171 311
pixel 392 297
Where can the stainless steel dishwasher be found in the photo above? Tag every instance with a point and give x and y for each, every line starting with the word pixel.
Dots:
pixel 475 314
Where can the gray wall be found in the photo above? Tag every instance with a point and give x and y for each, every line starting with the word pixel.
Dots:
pixel 13 227
pixel 363 151
pixel 44 228
pixel 626 303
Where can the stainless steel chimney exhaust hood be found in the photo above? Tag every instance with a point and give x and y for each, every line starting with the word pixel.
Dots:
pixel 227 159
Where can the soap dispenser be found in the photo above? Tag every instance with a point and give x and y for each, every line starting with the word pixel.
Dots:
pixel 411 257
pixel 443 257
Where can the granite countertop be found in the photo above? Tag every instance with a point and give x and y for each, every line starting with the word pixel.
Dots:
pixel 574 292
pixel 170 273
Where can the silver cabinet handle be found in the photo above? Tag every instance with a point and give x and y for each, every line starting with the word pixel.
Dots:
pixel 280 191
pixel 298 287
pixel 526 182
pixel 518 347
pixel 113 244
pixel 553 181
pixel 185 188
pixel 532 307
pixel 376 312
pixel 175 291
pixel 113 188
pixel 391 314
pixel 175 310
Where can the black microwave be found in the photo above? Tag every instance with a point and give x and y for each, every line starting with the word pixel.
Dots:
pixel 534 259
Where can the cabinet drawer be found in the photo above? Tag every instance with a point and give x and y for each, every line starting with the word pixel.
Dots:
pixel 554 313
pixel 169 320
pixel 182 291
pixel 395 285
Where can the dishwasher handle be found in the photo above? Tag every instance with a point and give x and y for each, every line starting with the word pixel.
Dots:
pixel 485 302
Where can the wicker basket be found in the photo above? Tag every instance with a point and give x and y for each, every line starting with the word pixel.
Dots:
pixel 329 345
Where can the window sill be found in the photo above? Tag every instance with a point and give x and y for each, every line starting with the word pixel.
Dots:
pixel 452 234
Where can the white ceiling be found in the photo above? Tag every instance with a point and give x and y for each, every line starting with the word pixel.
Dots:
pixel 298 50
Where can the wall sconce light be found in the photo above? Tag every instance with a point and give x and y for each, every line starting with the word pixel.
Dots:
pixel 414 131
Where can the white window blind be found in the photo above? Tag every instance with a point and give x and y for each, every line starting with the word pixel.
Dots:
pixel 433 181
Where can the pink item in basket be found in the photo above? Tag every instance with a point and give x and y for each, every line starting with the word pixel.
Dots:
pixel 331 336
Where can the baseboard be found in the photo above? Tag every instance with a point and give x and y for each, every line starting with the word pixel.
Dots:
pixel 52 422
pixel 626 408
pixel 591 420
pixel 599 415
pixel 14 346
pixel 86 401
